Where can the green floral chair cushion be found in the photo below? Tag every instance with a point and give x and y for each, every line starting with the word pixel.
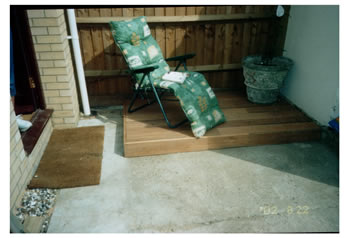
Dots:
pixel 196 97
pixel 138 47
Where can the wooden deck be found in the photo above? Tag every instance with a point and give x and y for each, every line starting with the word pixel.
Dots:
pixel 248 124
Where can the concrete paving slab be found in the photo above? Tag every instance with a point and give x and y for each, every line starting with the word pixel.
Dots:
pixel 275 188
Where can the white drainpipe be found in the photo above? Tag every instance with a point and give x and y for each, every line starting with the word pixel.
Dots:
pixel 78 61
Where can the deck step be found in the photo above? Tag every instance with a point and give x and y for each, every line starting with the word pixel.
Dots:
pixel 248 124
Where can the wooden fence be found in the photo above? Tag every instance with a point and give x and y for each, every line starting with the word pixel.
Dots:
pixel 219 35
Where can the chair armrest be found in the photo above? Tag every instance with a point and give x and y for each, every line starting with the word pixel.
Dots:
pixel 181 57
pixel 144 69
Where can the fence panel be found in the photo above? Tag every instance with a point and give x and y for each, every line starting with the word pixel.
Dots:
pixel 219 35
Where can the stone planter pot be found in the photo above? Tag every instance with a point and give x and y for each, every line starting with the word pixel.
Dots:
pixel 264 77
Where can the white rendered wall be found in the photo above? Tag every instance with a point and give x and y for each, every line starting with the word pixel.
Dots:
pixel 312 42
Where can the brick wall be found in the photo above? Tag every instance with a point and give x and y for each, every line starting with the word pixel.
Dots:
pixel 54 59
pixel 22 166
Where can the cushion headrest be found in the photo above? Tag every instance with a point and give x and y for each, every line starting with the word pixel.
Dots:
pixel 130 31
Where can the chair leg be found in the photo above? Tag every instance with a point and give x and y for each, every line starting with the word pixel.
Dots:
pixel 162 109
pixel 158 97
pixel 134 97
pixel 142 106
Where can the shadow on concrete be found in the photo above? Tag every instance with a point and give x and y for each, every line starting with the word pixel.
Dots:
pixel 311 160
pixel 112 115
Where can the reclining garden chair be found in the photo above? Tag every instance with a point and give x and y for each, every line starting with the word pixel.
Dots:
pixel 148 67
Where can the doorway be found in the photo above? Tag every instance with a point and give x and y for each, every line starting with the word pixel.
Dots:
pixel 29 96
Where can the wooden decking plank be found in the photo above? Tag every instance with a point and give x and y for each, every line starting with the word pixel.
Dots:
pixel 176 106
pixel 223 103
pixel 239 121
pixel 233 101
pixel 160 123
pixel 189 145
pixel 230 114
pixel 261 129
pixel 164 133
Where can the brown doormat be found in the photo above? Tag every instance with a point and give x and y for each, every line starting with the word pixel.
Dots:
pixel 72 159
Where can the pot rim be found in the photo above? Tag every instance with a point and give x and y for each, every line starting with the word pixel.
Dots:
pixel 249 62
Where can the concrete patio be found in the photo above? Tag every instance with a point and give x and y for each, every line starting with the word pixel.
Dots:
pixel 273 188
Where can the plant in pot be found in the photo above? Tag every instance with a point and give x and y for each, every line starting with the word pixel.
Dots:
pixel 264 77
pixel 264 74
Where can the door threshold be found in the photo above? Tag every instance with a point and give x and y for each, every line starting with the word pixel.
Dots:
pixel 31 136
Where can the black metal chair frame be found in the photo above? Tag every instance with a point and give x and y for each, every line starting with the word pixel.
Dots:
pixel 146 70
